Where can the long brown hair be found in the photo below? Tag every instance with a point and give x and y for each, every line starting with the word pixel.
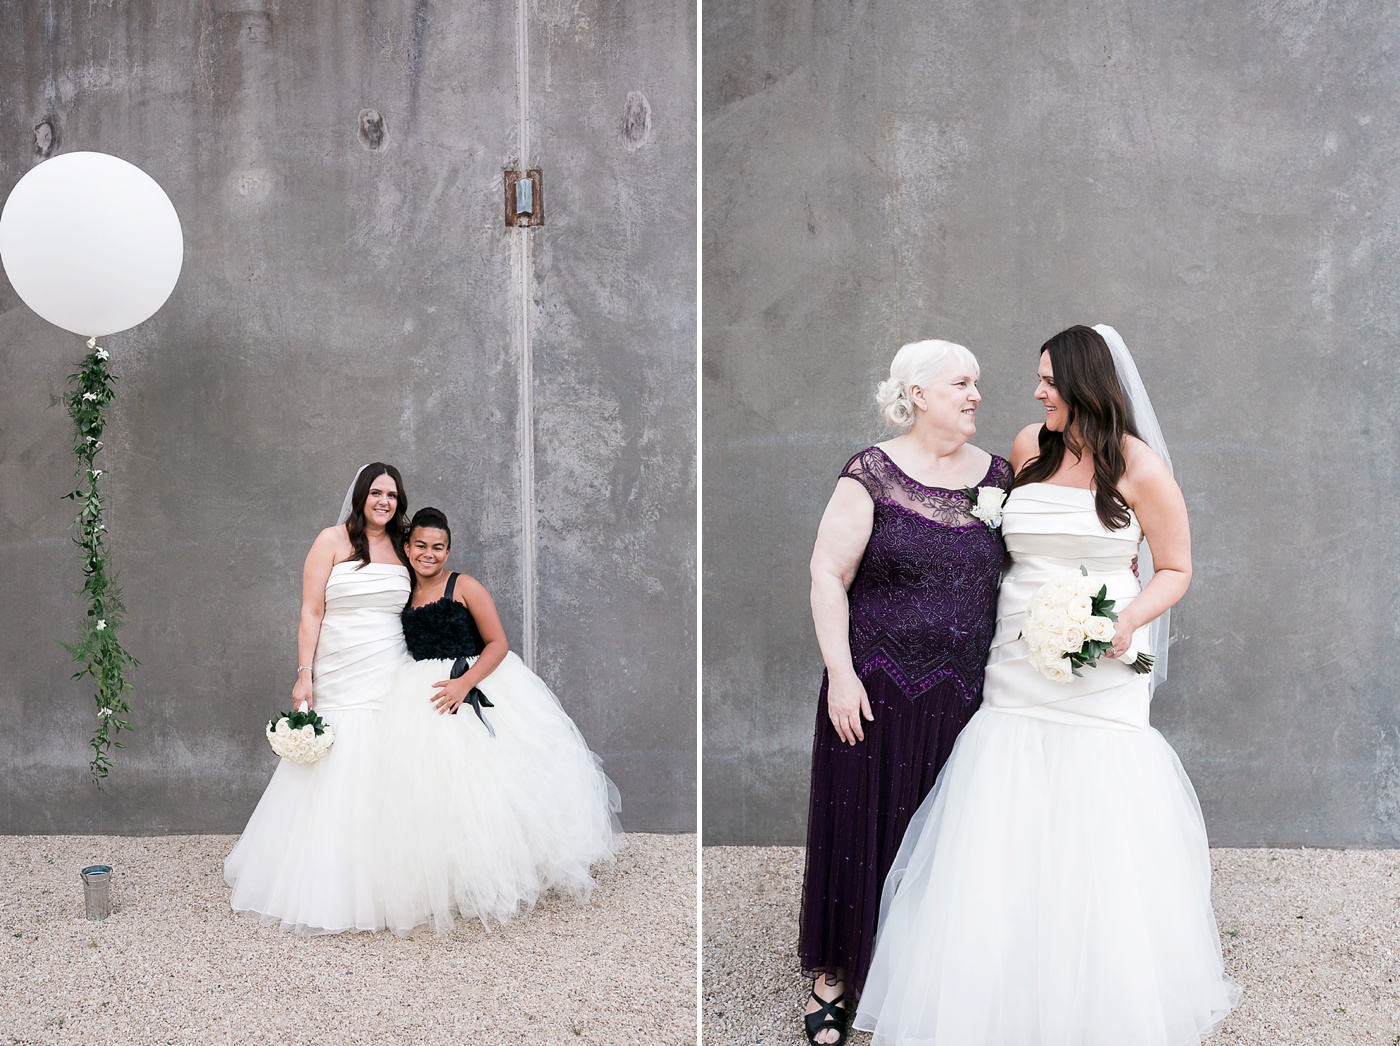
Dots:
pixel 1087 381
pixel 397 527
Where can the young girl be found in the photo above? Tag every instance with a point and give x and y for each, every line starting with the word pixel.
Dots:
pixel 493 796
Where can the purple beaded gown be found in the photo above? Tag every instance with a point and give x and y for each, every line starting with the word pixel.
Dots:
pixel 923 610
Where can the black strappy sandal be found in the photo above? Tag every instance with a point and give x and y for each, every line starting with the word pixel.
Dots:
pixel 826 1018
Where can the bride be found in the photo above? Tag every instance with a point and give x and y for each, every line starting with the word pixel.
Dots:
pixel 1054 887
pixel 306 858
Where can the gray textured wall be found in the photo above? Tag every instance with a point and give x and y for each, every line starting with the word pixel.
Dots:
pixel 338 305
pixel 1215 180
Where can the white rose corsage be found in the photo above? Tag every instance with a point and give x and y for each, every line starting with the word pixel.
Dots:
pixel 301 736
pixel 986 504
pixel 1069 626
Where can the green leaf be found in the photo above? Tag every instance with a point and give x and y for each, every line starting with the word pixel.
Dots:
pixel 99 654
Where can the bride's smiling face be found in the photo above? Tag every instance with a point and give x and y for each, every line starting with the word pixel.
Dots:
pixel 1056 411
pixel 382 501
pixel 427 549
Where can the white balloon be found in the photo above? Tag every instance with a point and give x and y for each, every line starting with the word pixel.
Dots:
pixel 91 243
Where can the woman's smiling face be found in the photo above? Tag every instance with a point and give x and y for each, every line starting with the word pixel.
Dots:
pixel 950 398
pixel 1056 411
pixel 427 549
pixel 382 501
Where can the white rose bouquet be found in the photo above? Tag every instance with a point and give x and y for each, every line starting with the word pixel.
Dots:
pixel 1069 626
pixel 986 504
pixel 301 736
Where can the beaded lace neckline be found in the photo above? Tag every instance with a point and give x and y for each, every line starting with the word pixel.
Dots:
pixel 991 467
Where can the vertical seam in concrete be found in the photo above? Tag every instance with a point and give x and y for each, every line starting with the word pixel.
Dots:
pixel 50 47
pixel 523 293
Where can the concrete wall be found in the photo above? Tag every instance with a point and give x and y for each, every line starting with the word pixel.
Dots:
pixel 1215 180
pixel 339 304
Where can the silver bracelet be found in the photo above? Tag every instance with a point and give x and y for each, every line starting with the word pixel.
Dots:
pixel 303 668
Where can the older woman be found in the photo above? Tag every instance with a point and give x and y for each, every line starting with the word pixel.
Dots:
pixel 904 582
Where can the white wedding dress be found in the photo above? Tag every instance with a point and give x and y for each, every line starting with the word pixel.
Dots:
pixel 308 857
pixel 1054 887
pixel 412 817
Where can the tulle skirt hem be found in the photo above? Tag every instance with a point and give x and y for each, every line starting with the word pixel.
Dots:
pixel 304 862
pixel 415 819
pixel 484 826
pixel 1052 890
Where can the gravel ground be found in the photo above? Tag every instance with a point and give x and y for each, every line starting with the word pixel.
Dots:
pixel 1311 936
pixel 173 963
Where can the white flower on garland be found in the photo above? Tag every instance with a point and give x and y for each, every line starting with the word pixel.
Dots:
pixel 97 650
pixel 986 504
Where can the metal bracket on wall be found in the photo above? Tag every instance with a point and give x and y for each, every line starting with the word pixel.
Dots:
pixel 524 198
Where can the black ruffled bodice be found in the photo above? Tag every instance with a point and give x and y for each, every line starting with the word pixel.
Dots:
pixel 444 629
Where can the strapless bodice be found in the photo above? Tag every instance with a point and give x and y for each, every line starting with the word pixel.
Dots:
pixel 361 641
pixel 367 588
pixel 1051 530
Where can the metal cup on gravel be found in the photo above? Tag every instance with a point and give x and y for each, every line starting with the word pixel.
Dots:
pixel 97 897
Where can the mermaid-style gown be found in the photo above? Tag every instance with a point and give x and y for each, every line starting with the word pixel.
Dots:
pixel 1054 887
pixel 481 826
pixel 306 859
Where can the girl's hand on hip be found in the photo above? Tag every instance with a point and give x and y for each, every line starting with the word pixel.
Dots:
pixel 449 695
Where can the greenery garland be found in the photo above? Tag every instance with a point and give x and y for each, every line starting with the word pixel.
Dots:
pixel 97 648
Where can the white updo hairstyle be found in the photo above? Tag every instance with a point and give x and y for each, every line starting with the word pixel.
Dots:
pixel 917 363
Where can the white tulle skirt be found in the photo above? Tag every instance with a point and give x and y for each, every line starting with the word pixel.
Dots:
pixel 306 859
pixel 479 826
pixel 1052 890
pixel 414 818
